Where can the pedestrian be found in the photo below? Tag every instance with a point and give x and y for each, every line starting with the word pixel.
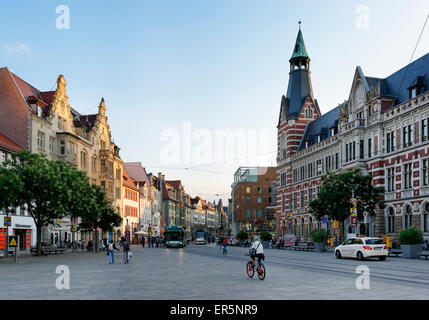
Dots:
pixel 143 241
pixel 125 248
pixel 225 243
pixel 149 241
pixel 110 251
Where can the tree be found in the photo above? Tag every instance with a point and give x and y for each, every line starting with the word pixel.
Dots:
pixel 99 214
pixel 50 190
pixel 333 199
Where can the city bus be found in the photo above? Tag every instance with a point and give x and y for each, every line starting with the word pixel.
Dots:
pixel 201 237
pixel 175 237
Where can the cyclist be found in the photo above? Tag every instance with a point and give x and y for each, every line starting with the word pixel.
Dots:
pixel 259 250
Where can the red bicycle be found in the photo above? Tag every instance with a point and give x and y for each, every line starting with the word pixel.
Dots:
pixel 259 266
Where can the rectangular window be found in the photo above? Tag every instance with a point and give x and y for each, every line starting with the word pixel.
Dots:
pixel 259 200
pixel 295 175
pixel 319 167
pixel 425 176
pixel 310 194
pixel 354 150
pixel 407 176
pixel 282 179
pixel 302 198
pixel 248 213
pixel 424 129
pixel 51 144
pixel 259 213
pixel 388 142
pixel 337 160
pixel 41 140
pixel 62 147
pixel 407 135
pixel 390 179
pixel 369 148
pixel 247 189
pixel 259 190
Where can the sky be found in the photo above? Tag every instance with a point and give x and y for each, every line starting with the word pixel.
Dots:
pixel 179 75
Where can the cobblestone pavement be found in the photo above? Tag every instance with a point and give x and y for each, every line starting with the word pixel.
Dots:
pixel 202 272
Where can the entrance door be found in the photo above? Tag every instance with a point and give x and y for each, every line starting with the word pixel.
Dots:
pixel 22 233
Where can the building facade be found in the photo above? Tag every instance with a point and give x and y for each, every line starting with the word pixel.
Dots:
pixel 251 196
pixel 382 128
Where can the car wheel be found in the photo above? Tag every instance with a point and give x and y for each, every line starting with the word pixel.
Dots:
pixel 382 258
pixel 360 256
pixel 338 254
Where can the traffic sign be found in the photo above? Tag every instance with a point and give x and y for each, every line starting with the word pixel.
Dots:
pixel 13 241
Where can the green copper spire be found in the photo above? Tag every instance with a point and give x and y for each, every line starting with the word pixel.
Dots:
pixel 299 50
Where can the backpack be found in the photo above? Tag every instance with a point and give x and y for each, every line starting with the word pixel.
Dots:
pixel 252 251
pixel 110 246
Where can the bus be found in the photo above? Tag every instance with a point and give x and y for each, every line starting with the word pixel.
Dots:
pixel 201 237
pixel 175 237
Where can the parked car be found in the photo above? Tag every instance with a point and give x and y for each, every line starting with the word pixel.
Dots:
pixel 362 248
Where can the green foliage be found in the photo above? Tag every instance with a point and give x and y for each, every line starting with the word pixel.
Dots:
pixel 319 235
pixel 242 235
pixel 411 236
pixel 52 190
pixel 334 196
pixel 266 236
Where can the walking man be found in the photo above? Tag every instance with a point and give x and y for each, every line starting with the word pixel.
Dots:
pixel 143 241
pixel 125 248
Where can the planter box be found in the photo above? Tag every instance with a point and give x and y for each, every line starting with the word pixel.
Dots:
pixel 320 246
pixel 410 251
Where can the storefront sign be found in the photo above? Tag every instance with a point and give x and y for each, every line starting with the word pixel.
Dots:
pixel 7 221
pixel 2 239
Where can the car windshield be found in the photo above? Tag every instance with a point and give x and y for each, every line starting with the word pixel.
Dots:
pixel 374 241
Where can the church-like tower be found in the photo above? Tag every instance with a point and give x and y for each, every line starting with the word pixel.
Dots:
pixel 298 108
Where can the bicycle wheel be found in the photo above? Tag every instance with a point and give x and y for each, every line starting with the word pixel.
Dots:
pixel 261 271
pixel 249 269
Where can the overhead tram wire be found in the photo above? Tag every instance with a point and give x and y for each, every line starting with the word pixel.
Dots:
pixel 414 51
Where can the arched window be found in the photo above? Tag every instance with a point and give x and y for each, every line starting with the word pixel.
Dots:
pixel 425 222
pixel 310 225
pixel 408 215
pixel 391 220
pixel 308 112
pixel 302 227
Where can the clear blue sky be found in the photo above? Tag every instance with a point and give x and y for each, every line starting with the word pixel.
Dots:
pixel 220 64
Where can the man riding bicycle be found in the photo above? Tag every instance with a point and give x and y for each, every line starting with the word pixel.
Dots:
pixel 257 250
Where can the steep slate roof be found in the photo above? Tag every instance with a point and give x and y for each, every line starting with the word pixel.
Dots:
pixel 320 126
pixel 175 183
pixel 299 88
pixel 397 84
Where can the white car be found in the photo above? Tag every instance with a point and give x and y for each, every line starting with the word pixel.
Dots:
pixel 362 248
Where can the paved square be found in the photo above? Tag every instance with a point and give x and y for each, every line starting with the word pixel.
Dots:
pixel 201 272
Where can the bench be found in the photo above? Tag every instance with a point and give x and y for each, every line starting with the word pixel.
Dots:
pixel 303 246
pixel 48 250
pixel 424 254
pixel 394 251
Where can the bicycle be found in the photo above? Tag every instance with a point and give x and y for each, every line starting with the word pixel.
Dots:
pixel 250 268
